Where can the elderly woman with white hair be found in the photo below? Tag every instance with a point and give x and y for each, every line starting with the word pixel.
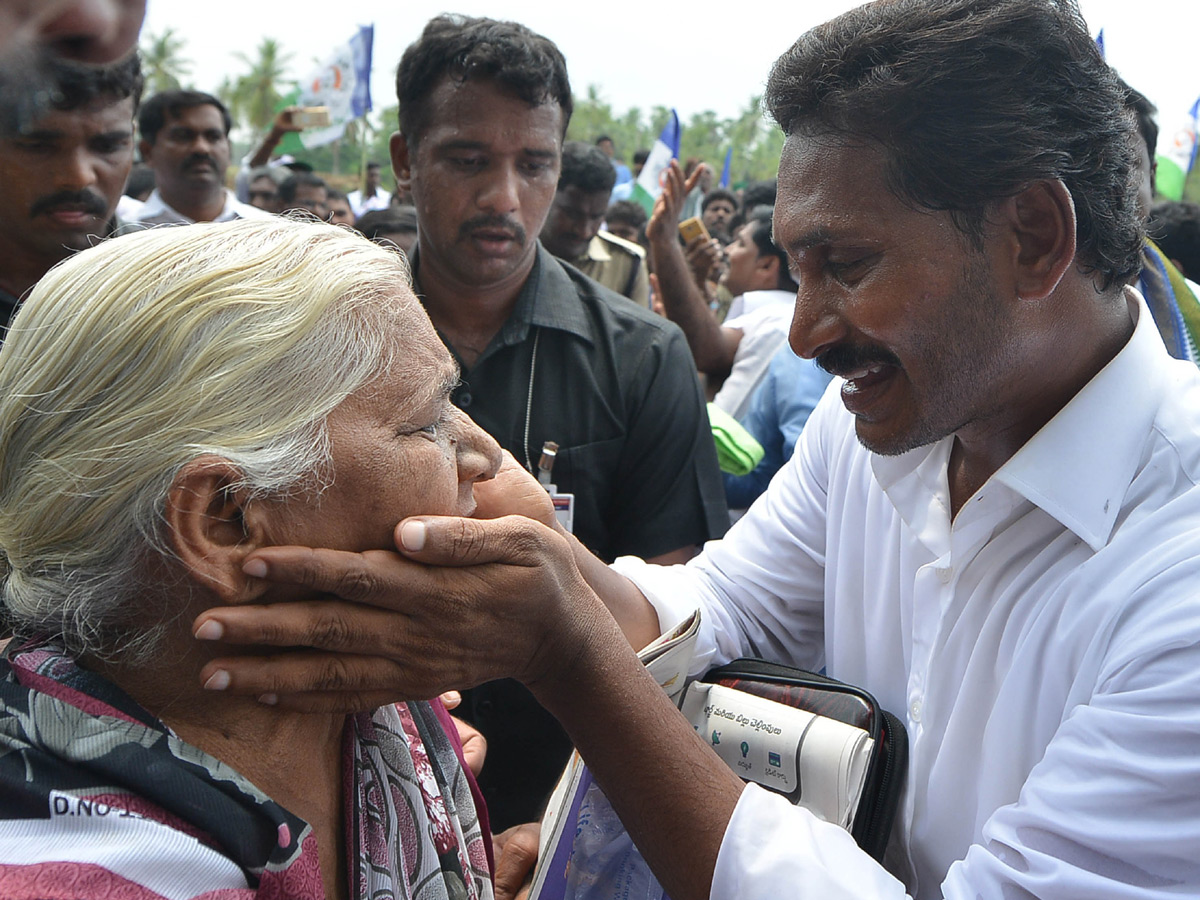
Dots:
pixel 170 402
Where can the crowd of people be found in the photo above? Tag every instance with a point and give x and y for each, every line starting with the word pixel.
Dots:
pixel 330 522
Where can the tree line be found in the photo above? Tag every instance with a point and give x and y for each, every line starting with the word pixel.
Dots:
pixel 254 95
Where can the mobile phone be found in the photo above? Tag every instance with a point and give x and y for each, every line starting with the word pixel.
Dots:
pixel 690 229
pixel 311 117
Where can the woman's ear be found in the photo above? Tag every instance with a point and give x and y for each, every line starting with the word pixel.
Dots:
pixel 211 530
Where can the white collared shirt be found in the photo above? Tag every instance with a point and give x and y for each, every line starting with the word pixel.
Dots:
pixel 1043 648
pixel 763 318
pixel 361 205
pixel 156 211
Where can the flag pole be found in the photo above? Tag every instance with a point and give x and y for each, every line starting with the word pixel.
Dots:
pixel 362 161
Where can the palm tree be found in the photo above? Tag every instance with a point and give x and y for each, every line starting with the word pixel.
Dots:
pixel 163 66
pixel 256 94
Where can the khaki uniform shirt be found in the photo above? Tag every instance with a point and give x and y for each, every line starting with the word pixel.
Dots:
pixel 619 265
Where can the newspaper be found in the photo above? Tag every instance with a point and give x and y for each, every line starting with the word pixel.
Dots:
pixel 816 762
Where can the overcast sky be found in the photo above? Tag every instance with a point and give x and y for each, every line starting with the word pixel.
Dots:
pixel 642 53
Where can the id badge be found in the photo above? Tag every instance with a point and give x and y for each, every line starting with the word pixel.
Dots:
pixel 564 510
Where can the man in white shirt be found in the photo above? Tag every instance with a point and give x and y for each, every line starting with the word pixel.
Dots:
pixel 761 311
pixel 372 196
pixel 185 140
pixel 737 352
pixel 992 523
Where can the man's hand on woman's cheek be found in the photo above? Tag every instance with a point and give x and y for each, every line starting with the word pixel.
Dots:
pixel 513 492
pixel 464 601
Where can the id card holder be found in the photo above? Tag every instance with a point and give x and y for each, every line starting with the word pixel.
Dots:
pixel 564 504
pixel 564 510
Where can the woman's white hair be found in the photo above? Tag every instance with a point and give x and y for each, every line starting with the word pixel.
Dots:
pixel 132 358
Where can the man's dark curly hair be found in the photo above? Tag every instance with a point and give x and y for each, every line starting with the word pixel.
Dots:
pixel 1175 227
pixel 586 167
pixel 76 85
pixel 973 101
pixel 465 49
pixel 764 241
pixel 719 194
pixel 155 111
pixel 627 212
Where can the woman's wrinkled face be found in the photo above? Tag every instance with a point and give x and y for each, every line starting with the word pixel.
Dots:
pixel 399 448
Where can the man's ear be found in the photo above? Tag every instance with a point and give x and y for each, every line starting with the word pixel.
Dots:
pixel 766 267
pixel 1042 222
pixel 145 148
pixel 401 166
pixel 210 529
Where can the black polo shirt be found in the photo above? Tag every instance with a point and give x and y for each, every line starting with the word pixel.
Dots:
pixel 615 386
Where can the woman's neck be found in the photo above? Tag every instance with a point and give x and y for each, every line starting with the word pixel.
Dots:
pixel 293 758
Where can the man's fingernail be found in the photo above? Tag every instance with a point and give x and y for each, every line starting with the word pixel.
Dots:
pixel 255 568
pixel 210 631
pixel 217 681
pixel 269 699
pixel 412 535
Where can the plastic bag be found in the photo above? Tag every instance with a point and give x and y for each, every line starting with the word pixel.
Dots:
pixel 605 865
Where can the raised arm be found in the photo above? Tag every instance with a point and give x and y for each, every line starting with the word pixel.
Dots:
pixel 713 346
pixel 280 126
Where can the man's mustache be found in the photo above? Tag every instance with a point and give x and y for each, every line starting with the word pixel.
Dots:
pixel 492 223
pixel 197 158
pixel 84 200
pixel 842 359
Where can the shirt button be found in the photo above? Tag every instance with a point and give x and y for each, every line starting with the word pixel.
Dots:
pixel 945 573
pixel 464 399
pixel 915 710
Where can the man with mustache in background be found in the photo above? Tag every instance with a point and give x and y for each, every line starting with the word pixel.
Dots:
pixel 185 140
pixel 61 177
pixel 545 353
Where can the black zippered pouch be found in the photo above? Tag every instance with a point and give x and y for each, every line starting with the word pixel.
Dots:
pixel 883 779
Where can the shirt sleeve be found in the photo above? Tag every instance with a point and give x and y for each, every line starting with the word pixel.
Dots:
pixel 778 412
pixel 640 292
pixel 1109 812
pixel 760 589
pixel 668 493
pixel 772 849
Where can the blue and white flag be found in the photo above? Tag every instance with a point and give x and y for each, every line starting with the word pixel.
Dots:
pixel 724 182
pixel 665 149
pixel 1175 159
pixel 343 83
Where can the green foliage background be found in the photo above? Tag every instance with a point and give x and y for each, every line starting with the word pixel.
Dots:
pixel 756 142
pixel 254 93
